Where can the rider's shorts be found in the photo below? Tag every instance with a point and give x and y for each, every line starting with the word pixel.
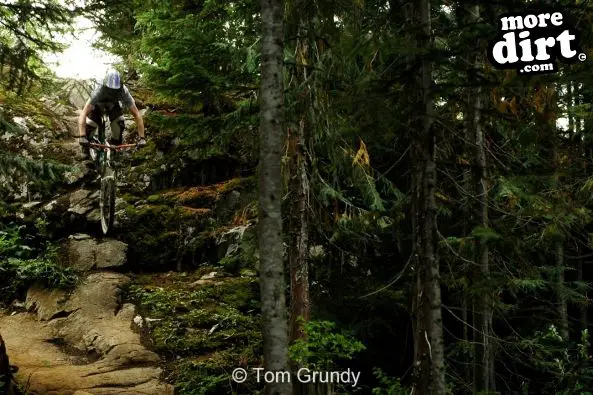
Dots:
pixel 116 119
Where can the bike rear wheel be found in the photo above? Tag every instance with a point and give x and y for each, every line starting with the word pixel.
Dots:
pixel 107 199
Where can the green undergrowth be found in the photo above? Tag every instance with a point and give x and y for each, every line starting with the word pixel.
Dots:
pixel 205 328
pixel 30 156
pixel 199 137
pixel 184 226
pixel 23 263
pixel 181 150
pixel 158 235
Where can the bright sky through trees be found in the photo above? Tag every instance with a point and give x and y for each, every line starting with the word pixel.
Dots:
pixel 80 60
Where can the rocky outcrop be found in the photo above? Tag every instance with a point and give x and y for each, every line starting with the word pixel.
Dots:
pixel 86 253
pixel 77 91
pixel 81 343
pixel 48 304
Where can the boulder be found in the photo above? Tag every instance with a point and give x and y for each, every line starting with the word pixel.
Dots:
pixel 78 92
pixel 86 253
pixel 81 202
pixel 110 254
pixel 72 125
pixel 31 205
pixel 21 122
pixel 47 304
pixel 77 173
pixel 56 107
pixel 94 215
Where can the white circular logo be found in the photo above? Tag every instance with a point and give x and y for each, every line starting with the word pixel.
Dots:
pixel 239 375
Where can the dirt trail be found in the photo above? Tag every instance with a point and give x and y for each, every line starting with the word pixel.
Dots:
pixel 84 341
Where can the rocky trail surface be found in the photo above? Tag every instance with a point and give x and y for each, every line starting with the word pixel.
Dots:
pixel 81 343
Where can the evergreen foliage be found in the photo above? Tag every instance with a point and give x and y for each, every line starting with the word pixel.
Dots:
pixel 27 30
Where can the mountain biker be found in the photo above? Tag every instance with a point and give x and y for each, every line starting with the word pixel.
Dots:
pixel 106 98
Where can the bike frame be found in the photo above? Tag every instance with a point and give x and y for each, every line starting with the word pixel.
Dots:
pixel 107 174
pixel 102 147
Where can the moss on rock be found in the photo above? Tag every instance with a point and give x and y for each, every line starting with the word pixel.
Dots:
pixel 203 331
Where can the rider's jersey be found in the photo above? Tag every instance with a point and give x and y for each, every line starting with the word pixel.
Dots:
pixel 105 98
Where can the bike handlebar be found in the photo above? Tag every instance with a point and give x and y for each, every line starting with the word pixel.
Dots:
pixel 112 147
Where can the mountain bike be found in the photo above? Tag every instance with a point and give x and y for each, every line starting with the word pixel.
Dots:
pixel 103 154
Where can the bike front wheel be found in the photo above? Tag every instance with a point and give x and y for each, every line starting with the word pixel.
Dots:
pixel 107 200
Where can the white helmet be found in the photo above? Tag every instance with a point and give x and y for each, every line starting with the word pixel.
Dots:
pixel 112 79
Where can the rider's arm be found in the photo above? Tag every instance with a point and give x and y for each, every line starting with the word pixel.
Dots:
pixel 138 118
pixel 130 103
pixel 88 107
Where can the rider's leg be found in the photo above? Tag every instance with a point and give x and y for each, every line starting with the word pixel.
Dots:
pixel 116 117
pixel 90 128
pixel 92 124
pixel 93 120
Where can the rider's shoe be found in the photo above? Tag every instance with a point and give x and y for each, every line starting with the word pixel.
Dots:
pixel 87 160
pixel 83 141
pixel 114 158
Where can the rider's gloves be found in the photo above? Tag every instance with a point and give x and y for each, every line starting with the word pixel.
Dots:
pixel 141 142
pixel 83 140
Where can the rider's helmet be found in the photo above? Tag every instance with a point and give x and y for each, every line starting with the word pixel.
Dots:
pixel 112 79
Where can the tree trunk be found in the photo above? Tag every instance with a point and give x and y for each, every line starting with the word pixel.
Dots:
pixel 483 355
pixel 272 285
pixel 466 340
pixel 569 105
pixel 428 337
pixel 298 234
pixel 560 293
pixel 550 117
pixel 466 305
pixel 298 225
pixel 585 304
